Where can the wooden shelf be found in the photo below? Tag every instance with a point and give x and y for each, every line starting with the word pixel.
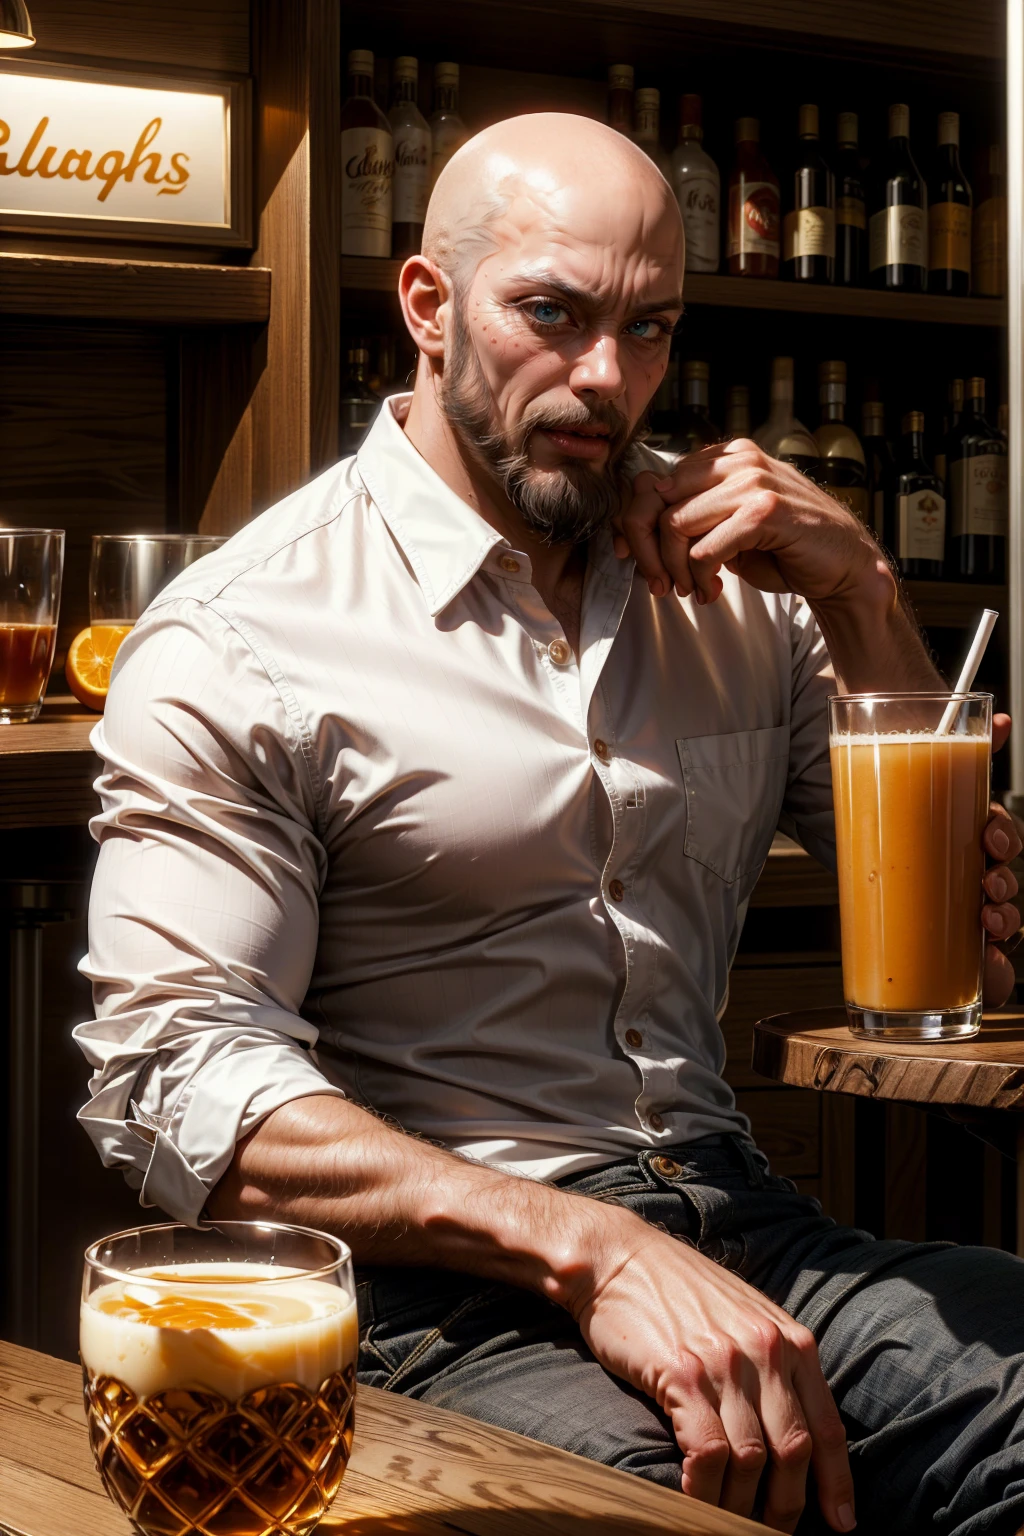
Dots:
pixel 368 274
pixel 949 604
pixel 156 292
pixel 47 768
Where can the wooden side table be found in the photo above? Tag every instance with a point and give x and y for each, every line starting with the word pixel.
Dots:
pixel 976 1078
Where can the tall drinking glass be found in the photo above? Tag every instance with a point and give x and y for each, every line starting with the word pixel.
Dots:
pixel 219 1370
pixel 911 803
pixel 127 570
pixel 31 566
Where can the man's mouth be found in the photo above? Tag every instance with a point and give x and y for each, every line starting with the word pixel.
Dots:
pixel 589 442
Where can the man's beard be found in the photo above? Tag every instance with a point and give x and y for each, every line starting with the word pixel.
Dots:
pixel 565 505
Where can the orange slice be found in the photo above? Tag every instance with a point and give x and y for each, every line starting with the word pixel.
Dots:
pixel 90 658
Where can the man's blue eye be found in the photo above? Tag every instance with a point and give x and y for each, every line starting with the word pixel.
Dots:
pixel 647 330
pixel 548 314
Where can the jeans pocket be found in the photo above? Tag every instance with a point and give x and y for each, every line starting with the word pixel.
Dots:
pixel 413 1323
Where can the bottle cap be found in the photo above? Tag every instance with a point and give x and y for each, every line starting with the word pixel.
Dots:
pixel 695 370
pixel 913 421
pixel 360 62
pixel 738 394
pixel 782 369
pixel 405 68
pixel 446 74
pixel 808 121
pixel 620 77
pixel 956 394
pixel 748 130
pixel 949 128
pixel 976 389
pixel 647 99
pixel 873 418
pixel 832 373
pixel 899 121
pixel 846 128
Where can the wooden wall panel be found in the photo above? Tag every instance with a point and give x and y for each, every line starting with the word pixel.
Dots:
pixel 786 1126
pixel 82 439
pixel 757 992
pixel 204 34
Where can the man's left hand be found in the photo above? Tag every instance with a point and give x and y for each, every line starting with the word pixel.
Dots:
pixel 1000 917
pixel 733 505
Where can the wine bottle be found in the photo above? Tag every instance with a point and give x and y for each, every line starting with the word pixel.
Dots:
pixel 843 468
pixel 989 232
pixel 977 468
pixel 620 99
pixel 949 215
pixel 412 160
pixel 917 534
pixel 809 229
pixel 898 230
pixel 358 402
pixel 950 417
pixel 781 435
pixel 367 165
pixel 753 247
pixel 663 410
pixel 647 128
pixel 448 132
pixel 737 412
pixel 695 428
pixel 851 207
pixel 880 466
pixel 698 191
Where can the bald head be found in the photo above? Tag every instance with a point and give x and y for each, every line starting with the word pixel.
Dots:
pixel 548 171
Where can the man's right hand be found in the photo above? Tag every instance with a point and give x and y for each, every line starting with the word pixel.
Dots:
pixel 737 1376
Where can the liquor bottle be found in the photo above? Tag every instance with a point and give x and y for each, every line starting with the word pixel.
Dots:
pixel 358 402
pixel 647 128
pixel 447 130
pixel 698 190
pixel 843 468
pixel 809 228
pixel 880 466
pixel 781 434
pixel 977 469
pixel 695 428
pixel 917 532
pixel 620 99
pixel 737 412
pixel 898 229
pixel 412 161
pixel 367 165
pixel 989 233
pixel 949 215
pixel 753 247
pixel 851 207
pixel 664 408
pixel 951 415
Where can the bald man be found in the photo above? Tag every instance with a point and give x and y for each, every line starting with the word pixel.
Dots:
pixel 431 808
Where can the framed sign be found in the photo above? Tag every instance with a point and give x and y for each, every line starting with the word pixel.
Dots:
pixel 117 152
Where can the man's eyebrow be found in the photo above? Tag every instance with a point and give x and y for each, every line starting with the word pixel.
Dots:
pixel 558 287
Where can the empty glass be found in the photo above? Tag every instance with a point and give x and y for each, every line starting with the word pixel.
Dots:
pixel 127 571
pixel 31 566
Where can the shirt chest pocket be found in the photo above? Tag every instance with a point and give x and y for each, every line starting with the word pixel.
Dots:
pixel 734 786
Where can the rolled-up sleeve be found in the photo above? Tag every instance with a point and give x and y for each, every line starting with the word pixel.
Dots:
pixel 807 812
pixel 203 917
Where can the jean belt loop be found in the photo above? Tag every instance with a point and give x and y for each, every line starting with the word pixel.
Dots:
pixel 751 1167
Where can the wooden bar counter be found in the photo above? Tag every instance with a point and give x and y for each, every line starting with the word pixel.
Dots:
pixel 415 1469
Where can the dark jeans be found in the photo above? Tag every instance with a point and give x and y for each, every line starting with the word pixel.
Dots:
pixel 921 1343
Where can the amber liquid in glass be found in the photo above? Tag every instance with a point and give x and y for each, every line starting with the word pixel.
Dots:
pixel 26 655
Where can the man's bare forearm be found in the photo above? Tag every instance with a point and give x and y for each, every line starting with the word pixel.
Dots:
pixel 324 1162
pixel 873 641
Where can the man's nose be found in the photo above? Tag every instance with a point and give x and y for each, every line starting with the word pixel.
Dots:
pixel 598 371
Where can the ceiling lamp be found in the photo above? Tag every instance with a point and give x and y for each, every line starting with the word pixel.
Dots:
pixel 15 25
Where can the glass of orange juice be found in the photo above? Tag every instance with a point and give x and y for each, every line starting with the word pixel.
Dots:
pixel 219 1371
pixel 31 566
pixel 911 782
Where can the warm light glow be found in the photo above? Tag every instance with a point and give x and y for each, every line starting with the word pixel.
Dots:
pixel 16 40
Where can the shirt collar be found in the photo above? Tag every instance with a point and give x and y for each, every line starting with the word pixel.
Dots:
pixel 442 538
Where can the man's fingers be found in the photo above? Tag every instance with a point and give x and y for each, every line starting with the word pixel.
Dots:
pixel 1000 883
pixel 1001 838
pixel 1000 731
pixel 699 1433
pixel 747 1453
pixel 999 978
pixel 1000 919
pixel 639 526
pixel 829 1456
pixel 789 1447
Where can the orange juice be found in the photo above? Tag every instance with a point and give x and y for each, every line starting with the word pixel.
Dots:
pixel 910 811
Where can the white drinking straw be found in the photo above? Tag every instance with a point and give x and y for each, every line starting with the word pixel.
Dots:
pixel 969 670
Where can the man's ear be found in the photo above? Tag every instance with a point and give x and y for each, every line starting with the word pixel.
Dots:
pixel 424 291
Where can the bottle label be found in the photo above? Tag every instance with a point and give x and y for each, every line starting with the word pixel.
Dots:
pixel 990 248
pixel 367 173
pixel 754 219
pixel 698 203
pixel 979 488
pixel 921 526
pixel 949 237
pixel 898 237
pixel 412 175
pixel 810 232
pixel 851 210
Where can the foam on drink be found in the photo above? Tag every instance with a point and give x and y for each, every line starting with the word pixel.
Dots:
pixel 217 1331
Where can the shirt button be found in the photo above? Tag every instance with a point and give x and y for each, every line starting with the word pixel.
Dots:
pixel 634 1038
pixel 508 564
pixel 602 750
pixel 559 652
pixel 617 891
pixel 666 1166
pixel 657 1123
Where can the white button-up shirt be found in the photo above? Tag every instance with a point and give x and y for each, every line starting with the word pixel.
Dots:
pixel 367 828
